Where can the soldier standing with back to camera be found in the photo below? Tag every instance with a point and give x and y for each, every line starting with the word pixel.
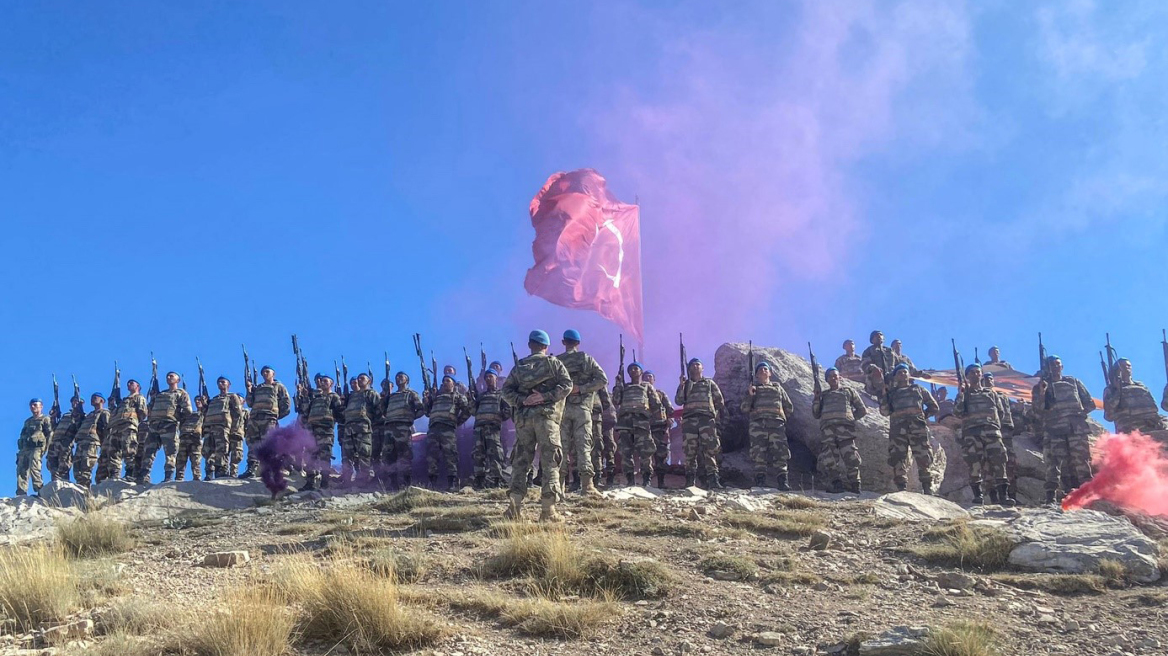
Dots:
pixel 576 427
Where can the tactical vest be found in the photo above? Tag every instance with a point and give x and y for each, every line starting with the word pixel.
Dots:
pixel 320 411
pixel 165 405
pixel 127 412
pixel 218 411
pixel 768 401
pixel 444 409
pixel 980 408
pixel 359 409
pixel 700 398
pixel 244 417
pixel 661 417
pixel 576 362
pixel 399 407
pixel 265 399
pixel 33 431
pixel 65 430
pixel 848 366
pixel 1066 403
pixel 837 406
pixel 490 408
pixel 635 400
pixel 534 374
pixel 906 402
pixel 87 431
pixel 1135 402
pixel 192 425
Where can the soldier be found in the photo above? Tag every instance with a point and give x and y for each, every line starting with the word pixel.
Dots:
pixel 165 411
pixel 450 370
pixel 944 404
pixel 269 402
pixel 636 403
pixel 982 415
pixel 91 432
pixel 767 406
pixel 33 437
pixel 490 411
pixel 235 439
pixel 902 358
pixel 604 442
pixel 382 440
pixel 849 364
pixel 659 427
pixel 995 355
pixel 536 389
pixel 1129 403
pixel 399 411
pixel 576 425
pixel 59 453
pixel 838 408
pixel 908 406
pixel 223 418
pixel 190 441
pixel 1010 425
pixel 122 441
pixel 324 411
pixel 448 409
pixel 876 363
pixel 702 405
pixel 1063 403
pixel 361 410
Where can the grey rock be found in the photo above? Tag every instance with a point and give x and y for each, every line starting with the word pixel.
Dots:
pixel 955 580
pixel 914 507
pixel 64 494
pixel 721 630
pixel 820 540
pixel 1076 542
pixel 897 641
pixel 769 638
pixel 226 559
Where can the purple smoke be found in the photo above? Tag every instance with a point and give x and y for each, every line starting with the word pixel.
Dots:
pixel 286 447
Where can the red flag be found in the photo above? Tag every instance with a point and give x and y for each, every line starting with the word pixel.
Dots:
pixel 587 249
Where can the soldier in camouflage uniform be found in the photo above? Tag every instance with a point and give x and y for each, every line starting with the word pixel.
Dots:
pixel 982 414
pixel 165 411
pixel 190 441
pixel 995 355
pixel 91 433
pixel 382 439
pixel 702 405
pixel 361 411
pixel 399 411
pixel 636 403
pixel 235 439
pixel 59 453
pixel 33 436
pixel 849 364
pixel 1063 403
pixel 269 403
pixel 876 363
pixel 1010 426
pixel 1129 403
pixel 576 425
pixel 767 406
pixel 838 408
pixel 901 358
pixel 223 418
pixel 604 442
pixel 122 442
pixel 448 409
pixel 322 413
pixel 908 407
pixel 535 389
pixel 659 427
pixel 490 411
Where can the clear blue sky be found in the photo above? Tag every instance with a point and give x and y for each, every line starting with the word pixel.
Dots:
pixel 184 177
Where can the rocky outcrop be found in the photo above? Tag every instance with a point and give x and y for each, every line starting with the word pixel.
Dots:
pixel 913 507
pixel 1076 542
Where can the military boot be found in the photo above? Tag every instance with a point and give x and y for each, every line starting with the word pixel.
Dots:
pixel 407 480
pixel 433 481
pixel 760 480
pixel 537 479
pixel 993 494
pixel 836 486
pixel 167 476
pixel 479 481
pixel 901 485
pixel 1050 498
pixel 927 486
pixel 574 486
pixel 660 480
pixel 247 473
pixel 690 479
pixel 454 485
pixel 646 478
pixel 514 507
pixel 782 484
pixel 630 479
pixel 310 482
pixel 548 512
pixel 854 487
pixel 1004 496
pixel 977 498
pixel 588 488
pixel 610 479
pixel 596 479
pixel 716 482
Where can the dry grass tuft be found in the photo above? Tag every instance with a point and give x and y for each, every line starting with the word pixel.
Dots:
pixel 397 566
pixel 777 523
pixel 248 623
pixel 671 528
pixel 963 639
pixel 37 584
pixel 409 499
pixel 134 616
pixel 93 535
pixel 646 579
pixel 1058 584
pixel 547 618
pixel 456 519
pixel 798 502
pixel 1115 572
pixel 966 547
pixel 731 568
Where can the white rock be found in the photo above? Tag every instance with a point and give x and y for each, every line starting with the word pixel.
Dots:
pixel 626 493
pixel 913 507
pixel 745 503
pixel 226 558
pixel 769 638
pixel 1075 542
pixel 897 641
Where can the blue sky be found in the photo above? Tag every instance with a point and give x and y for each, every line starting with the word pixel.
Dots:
pixel 184 177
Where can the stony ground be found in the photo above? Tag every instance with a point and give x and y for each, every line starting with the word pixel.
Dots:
pixel 744 577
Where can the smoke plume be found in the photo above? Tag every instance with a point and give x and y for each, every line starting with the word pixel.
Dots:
pixel 285 447
pixel 1131 472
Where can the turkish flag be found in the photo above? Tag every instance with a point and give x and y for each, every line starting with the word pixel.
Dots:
pixel 587 249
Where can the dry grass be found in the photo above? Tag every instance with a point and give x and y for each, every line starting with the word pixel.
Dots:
pixel 782 578
pixel 407 500
pixel 1115 572
pixel 1155 598
pixel 453 519
pixel 538 616
pixel 777 523
pixel 966 547
pixel 37 584
pixel 393 564
pixel 963 639
pixel 798 502
pixel 248 623
pixel 628 580
pixel 93 535
pixel 548 558
pixel 505 529
pixel 733 568
pixel 672 528
pixel 1058 584
pixel 134 616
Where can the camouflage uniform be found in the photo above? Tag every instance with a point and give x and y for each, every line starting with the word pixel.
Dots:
pixel 361 410
pixel 702 404
pixel 883 358
pixel 908 408
pixel 636 406
pixel 382 438
pixel 768 410
pixel 1011 423
pixel 537 425
pixel 1132 408
pixel 604 441
pixel 33 437
pixel 399 411
pixel 167 409
pixel 1067 445
pixel 59 453
pixel 269 403
pixel 323 413
pixel 447 411
pixel 982 414
pixel 659 427
pixel 576 436
pixel 849 367
pixel 90 434
pixel 190 445
pixel 235 439
pixel 490 411
pixel 837 412
pixel 122 441
pixel 221 420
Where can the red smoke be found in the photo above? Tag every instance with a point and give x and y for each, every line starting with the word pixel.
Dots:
pixel 1131 472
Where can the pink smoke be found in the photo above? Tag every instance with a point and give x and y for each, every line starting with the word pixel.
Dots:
pixel 1131 472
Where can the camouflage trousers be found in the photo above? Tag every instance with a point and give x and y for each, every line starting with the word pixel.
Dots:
pixel 768 445
pixel 488 453
pixel 383 444
pixel 84 460
pixel 905 436
pixel 114 450
pixel 983 450
pixel 234 453
pixel 401 457
pixel 660 434
pixel 442 446
pixel 254 433
pixel 1146 425
pixel 576 440
pixel 190 449
pixel 1067 453
pixel 1011 461
pixel 59 459
pixel 536 427
pixel 28 466
pixel 356 449
pixel 838 456
pixel 130 447
pixel 603 448
pixel 635 438
pixel 701 444
pixel 163 435
pixel 215 447
pixel 322 456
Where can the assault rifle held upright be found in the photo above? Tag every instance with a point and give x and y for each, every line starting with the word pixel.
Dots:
pixel 55 411
pixel 814 369
pixel 958 365
pixel 203 392
pixel 684 366
pixel 620 373
pixel 115 397
pixel 247 381
pixel 1111 360
pixel 1107 382
pixel 471 388
pixel 514 355
pixel 1164 344
pixel 153 376
pixel 422 361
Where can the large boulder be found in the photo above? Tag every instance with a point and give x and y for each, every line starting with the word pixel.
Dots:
pixel 173 499
pixel 794 373
pixel 29 518
pixel 63 494
pixel 1076 542
pixel 913 507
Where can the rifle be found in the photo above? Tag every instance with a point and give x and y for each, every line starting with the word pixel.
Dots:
pixel 337 376
pixel 1106 371
pixel 369 370
pixel 515 357
pixel 814 369
pixel 299 380
pixel 684 367
pixel 434 370
pixel 1111 359
pixel 246 367
pixel 153 376
pixel 957 365
pixel 202 381
pixel 750 363
pixel 421 361
pixel 470 381
pixel 483 356
pixel 976 357
pixel 345 373
pixel 1164 343
pixel 76 390
pixel 115 398
pixel 620 372
pixel 1044 372
pixel 387 370
pixel 55 412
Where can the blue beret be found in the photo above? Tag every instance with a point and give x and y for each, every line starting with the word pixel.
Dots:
pixel 872 335
pixel 572 334
pixel 693 361
pixel 32 401
pixel 539 337
pixel 635 364
pixel 972 367
pixel 219 379
pixel 98 395
pixel 829 370
pixel 401 373
pixel 173 372
pixel 762 365
pixel 140 384
pixel 490 372
pixel 1052 358
pixel 496 365
pixel 444 377
pixel 899 367
pixel 266 368
pixel 988 374
pixel 649 372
